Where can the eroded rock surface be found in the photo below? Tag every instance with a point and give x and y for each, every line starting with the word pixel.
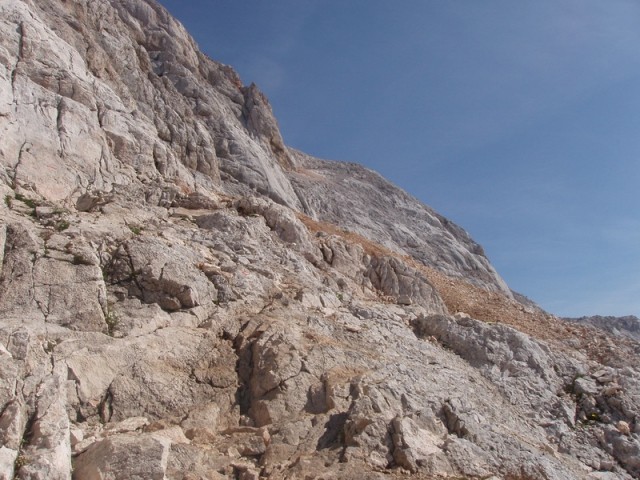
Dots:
pixel 360 200
pixel 183 297
pixel 628 326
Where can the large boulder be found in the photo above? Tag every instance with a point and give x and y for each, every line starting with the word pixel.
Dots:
pixel 162 274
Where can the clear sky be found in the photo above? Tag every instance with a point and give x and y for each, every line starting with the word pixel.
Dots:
pixel 520 120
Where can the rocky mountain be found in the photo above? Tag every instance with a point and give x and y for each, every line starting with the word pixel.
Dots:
pixel 628 326
pixel 182 296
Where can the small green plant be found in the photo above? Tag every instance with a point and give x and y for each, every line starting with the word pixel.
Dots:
pixel 112 321
pixel 21 461
pixel 135 229
pixel 27 201
pixel 32 204
pixel 594 417
pixel 62 225
pixel 340 296
pixel 8 200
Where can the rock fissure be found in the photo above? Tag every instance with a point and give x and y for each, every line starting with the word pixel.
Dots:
pixel 45 308
pixel 105 409
pixel 60 126
pixel 134 275
pixel 20 56
pixel 24 147
pixel 282 385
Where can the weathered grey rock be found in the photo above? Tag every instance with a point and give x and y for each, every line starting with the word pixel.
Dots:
pixel 201 424
pixel 367 433
pixel 276 375
pixel 249 441
pixel 161 274
pixel 281 220
pixel 113 117
pixel 48 453
pixel 526 370
pixel 3 239
pixel 132 318
pixel 626 450
pixel 195 201
pixel 12 424
pixel 169 308
pixel 93 371
pixel 8 458
pixel 360 200
pixel 88 201
pixel 403 283
pixel 124 457
pixel 49 285
pixel 197 367
pixel 418 443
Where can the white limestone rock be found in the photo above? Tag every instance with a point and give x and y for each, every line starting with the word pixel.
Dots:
pixel 184 297
pixel 48 453
pixel 136 457
pixel 162 274
pixel 360 200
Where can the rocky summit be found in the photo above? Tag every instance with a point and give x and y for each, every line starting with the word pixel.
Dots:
pixel 184 297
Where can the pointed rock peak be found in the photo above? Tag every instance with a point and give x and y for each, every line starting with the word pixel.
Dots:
pixel 261 122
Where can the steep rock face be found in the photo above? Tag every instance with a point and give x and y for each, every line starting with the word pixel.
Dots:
pixel 164 114
pixel 170 309
pixel 74 118
pixel 358 199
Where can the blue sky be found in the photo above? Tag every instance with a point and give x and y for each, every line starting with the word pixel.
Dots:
pixel 520 121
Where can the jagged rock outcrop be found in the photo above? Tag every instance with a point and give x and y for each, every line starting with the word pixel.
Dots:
pixel 181 297
pixel 628 326
pixel 74 118
pixel 360 200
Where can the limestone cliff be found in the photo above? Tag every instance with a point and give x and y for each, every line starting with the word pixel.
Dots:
pixel 182 296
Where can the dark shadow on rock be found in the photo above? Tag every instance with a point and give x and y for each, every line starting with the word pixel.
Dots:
pixel 333 436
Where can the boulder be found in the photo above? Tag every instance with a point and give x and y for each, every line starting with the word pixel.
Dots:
pixel 125 456
pixel 162 274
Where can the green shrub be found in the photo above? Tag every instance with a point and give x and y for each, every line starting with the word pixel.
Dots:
pixel 21 461
pixel 27 201
pixel 112 321
pixel 62 225
pixel 594 417
pixel 135 229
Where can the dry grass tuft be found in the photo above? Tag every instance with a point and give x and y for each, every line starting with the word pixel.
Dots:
pixel 369 247
pixel 492 306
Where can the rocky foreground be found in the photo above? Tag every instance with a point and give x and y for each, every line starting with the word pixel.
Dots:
pixel 184 297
